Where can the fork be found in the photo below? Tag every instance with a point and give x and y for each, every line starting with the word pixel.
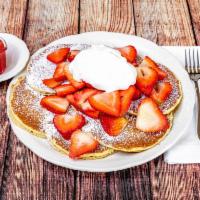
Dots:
pixel 192 66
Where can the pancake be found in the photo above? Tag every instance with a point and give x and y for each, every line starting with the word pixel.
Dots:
pixel 59 144
pixel 62 145
pixel 130 139
pixel 171 102
pixel 39 68
pixel 24 109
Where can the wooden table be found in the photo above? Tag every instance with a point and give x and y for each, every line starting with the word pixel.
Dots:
pixel 23 175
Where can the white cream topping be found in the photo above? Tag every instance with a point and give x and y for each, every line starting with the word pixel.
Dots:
pixel 104 68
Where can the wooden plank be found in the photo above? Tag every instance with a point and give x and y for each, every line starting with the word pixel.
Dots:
pixel 27 176
pixel 107 15
pixel 50 20
pixel 194 9
pixel 164 22
pixel 111 15
pixel 14 25
pixel 174 181
pixel 168 23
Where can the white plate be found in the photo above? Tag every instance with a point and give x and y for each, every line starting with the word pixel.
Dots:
pixel 17 55
pixel 120 161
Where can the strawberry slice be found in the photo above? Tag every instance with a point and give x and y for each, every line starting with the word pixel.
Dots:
pixel 72 101
pixel 81 98
pixel 51 82
pixel 72 55
pixel 82 95
pixel 146 79
pixel 150 118
pixel 89 110
pixel 59 55
pixel 126 98
pixel 149 62
pixel 55 104
pixel 137 94
pixel 161 92
pixel 112 125
pixel 88 85
pixel 84 107
pixel 81 143
pixel 108 103
pixel 59 72
pixel 65 89
pixel 67 124
pixel 70 78
pixel 129 52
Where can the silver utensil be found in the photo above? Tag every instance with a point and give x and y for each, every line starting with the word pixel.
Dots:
pixel 192 66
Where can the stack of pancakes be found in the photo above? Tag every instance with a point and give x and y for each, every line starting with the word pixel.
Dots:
pixel 25 111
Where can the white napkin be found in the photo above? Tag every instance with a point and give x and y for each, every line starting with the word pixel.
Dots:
pixel 187 149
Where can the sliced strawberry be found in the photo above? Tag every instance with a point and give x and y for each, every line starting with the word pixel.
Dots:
pixel 93 114
pixel 137 94
pixel 51 82
pixel 82 95
pixel 81 143
pixel 72 55
pixel 81 98
pixel 150 118
pixel 89 110
pixel 72 101
pixel 149 62
pixel 161 92
pixel 146 79
pixel 59 55
pixel 70 78
pixel 59 72
pixel 88 85
pixel 55 104
pixel 65 89
pixel 112 125
pixel 84 107
pixel 108 103
pixel 67 124
pixel 129 52
pixel 126 98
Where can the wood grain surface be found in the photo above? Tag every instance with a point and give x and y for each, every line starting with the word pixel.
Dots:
pixel 14 25
pixel 23 175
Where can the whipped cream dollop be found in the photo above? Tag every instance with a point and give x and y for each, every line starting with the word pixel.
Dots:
pixel 104 68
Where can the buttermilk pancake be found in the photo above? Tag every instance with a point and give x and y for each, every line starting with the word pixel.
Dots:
pixel 62 145
pixel 39 68
pixel 26 112
pixel 171 103
pixel 130 139
pixel 24 108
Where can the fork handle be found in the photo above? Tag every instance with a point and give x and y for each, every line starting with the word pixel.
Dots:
pixel 198 107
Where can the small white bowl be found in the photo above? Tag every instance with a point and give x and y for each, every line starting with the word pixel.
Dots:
pixel 17 56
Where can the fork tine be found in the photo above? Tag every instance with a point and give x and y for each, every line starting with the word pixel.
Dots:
pixel 186 62
pixel 198 64
pixel 194 63
pixel 189 62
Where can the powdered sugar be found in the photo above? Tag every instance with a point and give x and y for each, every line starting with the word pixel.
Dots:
pixel 39 68
pixel 129 138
